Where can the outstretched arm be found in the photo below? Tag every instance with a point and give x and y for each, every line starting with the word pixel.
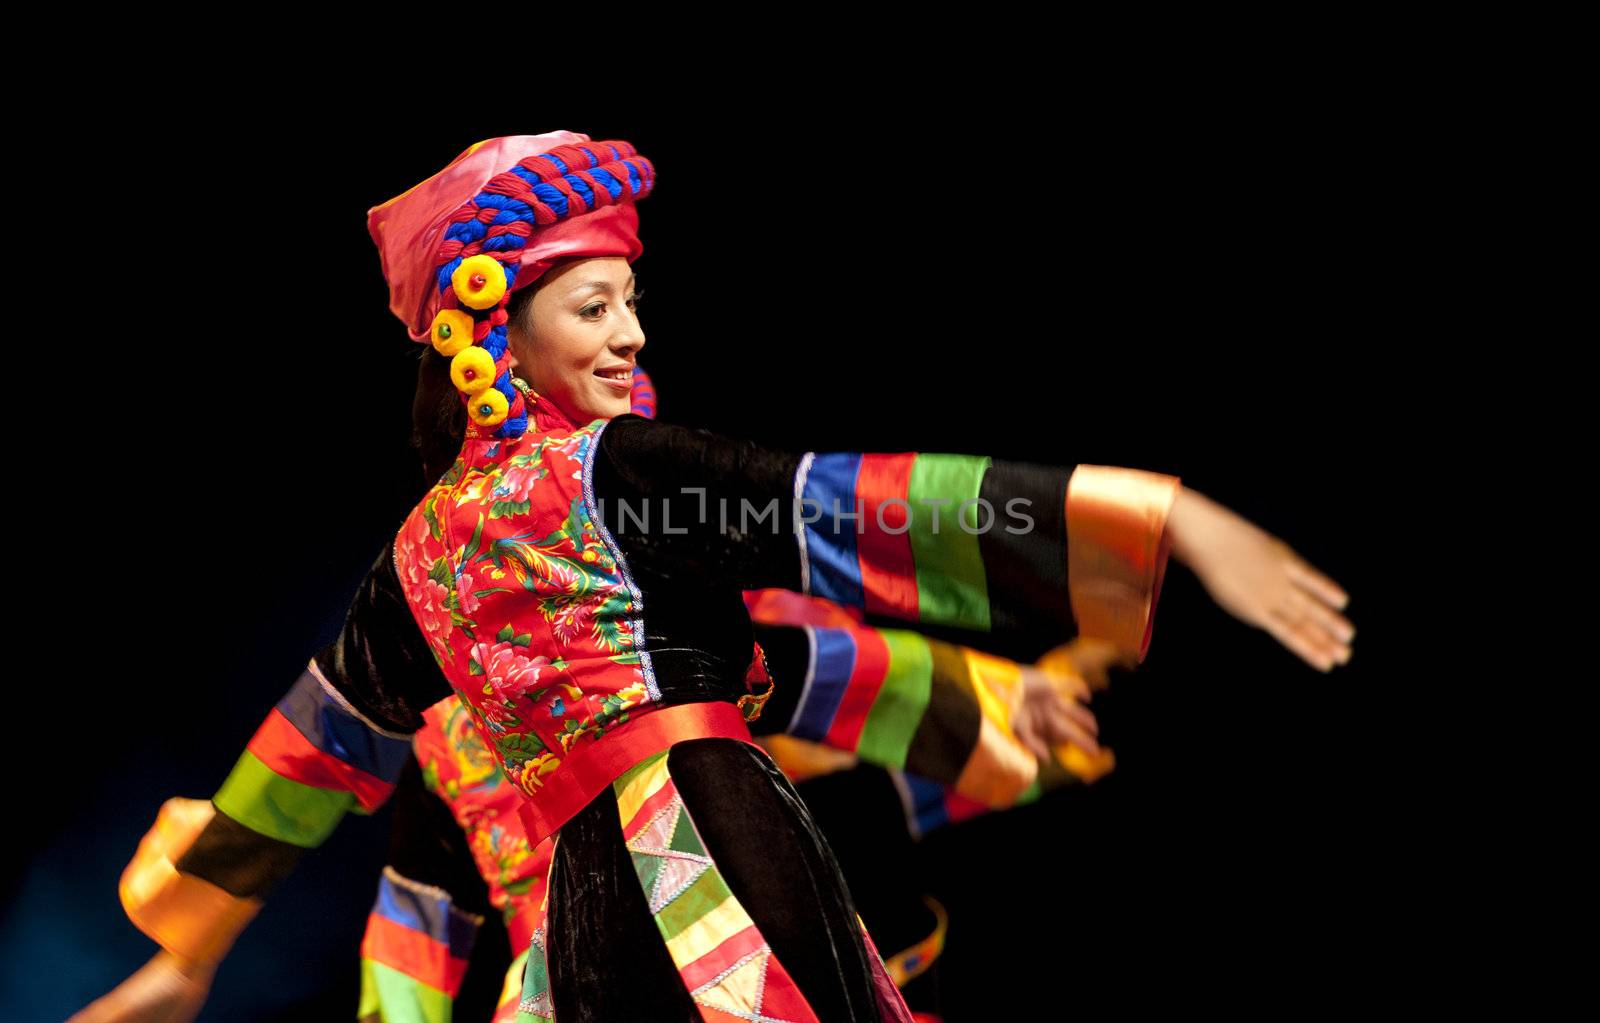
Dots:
pixel 945 539
pixel 334 744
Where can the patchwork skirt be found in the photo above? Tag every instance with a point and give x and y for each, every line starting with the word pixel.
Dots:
pixel 698 887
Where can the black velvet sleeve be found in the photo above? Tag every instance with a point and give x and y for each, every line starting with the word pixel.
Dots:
pixel 689 501
pixel 380 661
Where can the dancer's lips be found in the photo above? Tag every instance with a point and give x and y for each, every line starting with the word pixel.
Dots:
pixel 620 377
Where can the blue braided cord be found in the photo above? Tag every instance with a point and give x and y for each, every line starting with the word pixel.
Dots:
pixel 466 233
pixel 514 210
pixel 527 175
pixel 445 271
pixel 495 342
pixel 504 386
pixel 504 242
pixel 493 201
pixel 552 197
pixel 635 179
pixel 513 427
pixel 609 180
pixel 594 161
pixel 582 188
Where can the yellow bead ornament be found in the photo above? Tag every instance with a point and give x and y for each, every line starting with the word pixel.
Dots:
pixel 488 408
pixel 472 369
pixel 479 281
pixel 452 331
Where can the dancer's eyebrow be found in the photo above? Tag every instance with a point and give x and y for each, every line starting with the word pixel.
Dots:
pixel 601 285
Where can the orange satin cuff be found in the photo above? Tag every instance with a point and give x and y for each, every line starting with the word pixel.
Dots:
pixel 189 917
pixel 802 759
pixel 1117 551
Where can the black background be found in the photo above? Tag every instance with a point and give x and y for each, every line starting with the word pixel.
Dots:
pixel 1194 287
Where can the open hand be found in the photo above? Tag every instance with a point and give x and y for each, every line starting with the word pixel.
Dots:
pixel 1050 715
pixel 1261 581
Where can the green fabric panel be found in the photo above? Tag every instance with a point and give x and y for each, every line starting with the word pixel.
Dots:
pixel 902 700
pixel 400 997
pixel 706 893
pixel 535 981
pixel 684 837
pixel 951 586
pixel 647 866
pixel 275 806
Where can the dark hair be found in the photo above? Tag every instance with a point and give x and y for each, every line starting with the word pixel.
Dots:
pixel 438 416
pixel 517 308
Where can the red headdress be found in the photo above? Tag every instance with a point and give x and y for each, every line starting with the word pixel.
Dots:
pixel 456 246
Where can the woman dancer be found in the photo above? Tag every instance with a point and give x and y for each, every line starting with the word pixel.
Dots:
pixel 605 665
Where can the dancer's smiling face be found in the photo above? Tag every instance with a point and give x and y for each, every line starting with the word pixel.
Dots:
pixel 576 337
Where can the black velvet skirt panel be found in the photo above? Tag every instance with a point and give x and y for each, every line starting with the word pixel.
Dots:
pixel 606 957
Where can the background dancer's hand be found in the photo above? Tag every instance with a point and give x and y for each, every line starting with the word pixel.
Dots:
pixel 1261 581
pixel 1050 714
pixel 163 990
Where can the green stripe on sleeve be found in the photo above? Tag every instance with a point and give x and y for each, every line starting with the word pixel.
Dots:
pixel 902 700
pixel 400 997
pixel 951 587
pixel 266 802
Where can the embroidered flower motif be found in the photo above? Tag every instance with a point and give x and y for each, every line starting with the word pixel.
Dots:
pixel 530 778
pixel 433 613
pixel 413 559
pixel 518 481
pixel 569 618
pixel 507 670
pixel 464 595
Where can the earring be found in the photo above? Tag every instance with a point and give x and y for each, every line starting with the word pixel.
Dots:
pixel 529 395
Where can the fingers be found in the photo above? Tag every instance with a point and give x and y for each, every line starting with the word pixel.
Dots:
pixel 1306 639
pixel 1082 716
pixel 1024 732
pixel 1076 727
pixel 1056 723
pixel 1325 629
pixel 1321 586
pixel 1334 625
